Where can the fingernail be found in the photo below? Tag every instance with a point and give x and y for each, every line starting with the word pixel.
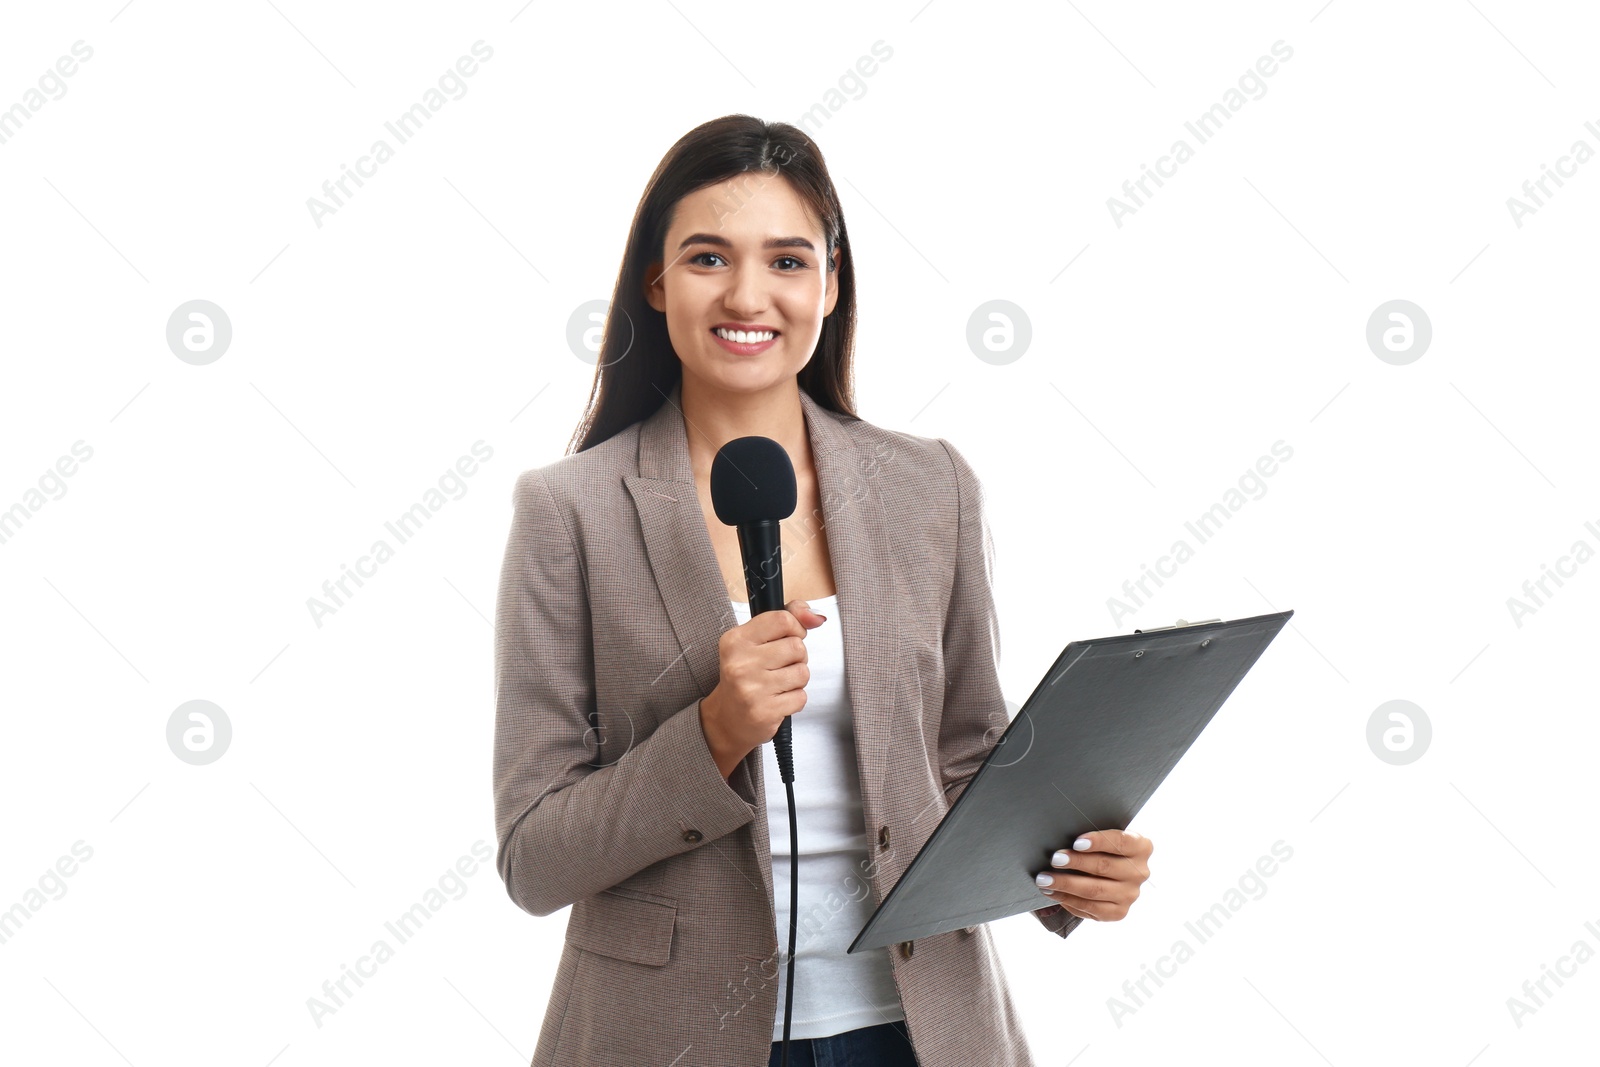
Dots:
pixel 1061 859
pixel 1045 879
pixel 824 618
pixel 1082 843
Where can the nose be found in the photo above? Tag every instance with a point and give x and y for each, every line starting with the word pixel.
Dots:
pixel 746 298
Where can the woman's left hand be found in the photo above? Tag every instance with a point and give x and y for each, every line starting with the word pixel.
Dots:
pixel 1101 875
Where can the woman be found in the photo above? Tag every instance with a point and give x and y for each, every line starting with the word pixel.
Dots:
pixel 635 698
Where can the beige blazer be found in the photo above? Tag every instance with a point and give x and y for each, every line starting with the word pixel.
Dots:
pixel 606 795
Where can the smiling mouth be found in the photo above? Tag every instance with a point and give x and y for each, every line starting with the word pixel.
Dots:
pixel 745 337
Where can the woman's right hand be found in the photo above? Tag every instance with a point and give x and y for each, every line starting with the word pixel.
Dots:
pixel 763 680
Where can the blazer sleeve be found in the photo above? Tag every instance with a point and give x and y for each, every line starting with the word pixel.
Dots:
pixel 567 828
pixel 974 707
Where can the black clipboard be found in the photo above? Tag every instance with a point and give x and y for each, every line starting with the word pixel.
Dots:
pixel 1103 729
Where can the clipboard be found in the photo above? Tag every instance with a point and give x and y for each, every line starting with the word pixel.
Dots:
pixel 1103 729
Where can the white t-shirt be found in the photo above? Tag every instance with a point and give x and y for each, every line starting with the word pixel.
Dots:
pixel 833 991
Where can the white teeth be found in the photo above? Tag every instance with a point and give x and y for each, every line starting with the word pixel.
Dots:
pixel 740 337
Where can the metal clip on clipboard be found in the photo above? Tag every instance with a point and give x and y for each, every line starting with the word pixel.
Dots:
pixel 1174 626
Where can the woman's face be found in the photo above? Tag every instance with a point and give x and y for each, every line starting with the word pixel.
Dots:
pixel 743 253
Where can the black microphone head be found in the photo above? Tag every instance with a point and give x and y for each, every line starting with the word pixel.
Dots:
pixel 752 480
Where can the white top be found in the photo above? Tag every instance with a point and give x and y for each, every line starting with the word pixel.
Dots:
pixel 833 991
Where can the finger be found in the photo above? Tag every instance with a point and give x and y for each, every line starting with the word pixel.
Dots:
pixel 1113 892
pixel 783 650
pixel 783 622
pixel 1087 886
pixel 1100 865
pixel 788 679
pixel 1072 907
pixel 1118 842
pixel 1105 898
pixel 1100 911
pixel 802 611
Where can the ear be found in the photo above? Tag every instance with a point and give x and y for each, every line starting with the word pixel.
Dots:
pixel 832 295
pixel 654 291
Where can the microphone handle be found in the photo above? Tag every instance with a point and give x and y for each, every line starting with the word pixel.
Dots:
pixel 761 549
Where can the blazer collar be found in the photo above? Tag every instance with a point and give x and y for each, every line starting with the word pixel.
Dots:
pixel 689 578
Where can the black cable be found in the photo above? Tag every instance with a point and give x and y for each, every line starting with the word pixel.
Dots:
pixel 794 907
pixel 784 751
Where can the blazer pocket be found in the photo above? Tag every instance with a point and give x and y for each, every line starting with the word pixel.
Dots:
pixel 625 924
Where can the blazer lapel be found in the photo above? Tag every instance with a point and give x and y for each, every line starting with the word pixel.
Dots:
pixel 697 603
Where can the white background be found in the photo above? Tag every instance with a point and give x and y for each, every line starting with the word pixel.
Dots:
pixel 1168 353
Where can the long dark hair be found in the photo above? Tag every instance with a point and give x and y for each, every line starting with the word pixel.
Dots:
pixel 637 367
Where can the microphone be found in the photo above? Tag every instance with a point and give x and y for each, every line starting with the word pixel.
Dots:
pixel 752 488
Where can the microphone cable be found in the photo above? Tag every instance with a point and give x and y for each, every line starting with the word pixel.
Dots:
pixel 784 751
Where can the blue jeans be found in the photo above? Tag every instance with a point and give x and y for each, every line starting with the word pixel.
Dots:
pixel 884 1045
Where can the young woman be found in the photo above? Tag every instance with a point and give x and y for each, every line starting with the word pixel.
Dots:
pixel 635 695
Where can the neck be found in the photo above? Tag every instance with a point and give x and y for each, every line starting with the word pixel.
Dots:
pixel 713 417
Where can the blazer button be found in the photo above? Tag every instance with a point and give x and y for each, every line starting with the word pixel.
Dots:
pixel 906 948
pixel 968 929
pixel 692 836
pixel 883 837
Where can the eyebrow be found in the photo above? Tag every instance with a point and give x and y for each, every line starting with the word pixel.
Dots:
pixel 722 242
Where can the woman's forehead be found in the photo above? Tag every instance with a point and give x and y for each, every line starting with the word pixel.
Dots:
pixel 746 209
